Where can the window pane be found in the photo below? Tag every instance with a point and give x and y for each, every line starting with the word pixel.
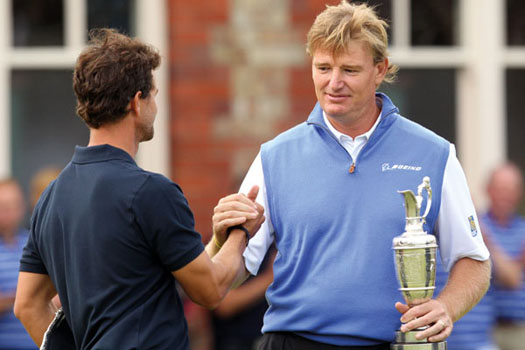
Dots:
pixel 116 14
pixel 44 126
pixel 515 117
pixel 38 23
pixel 434 23
pixel 428 97
pixel 515 22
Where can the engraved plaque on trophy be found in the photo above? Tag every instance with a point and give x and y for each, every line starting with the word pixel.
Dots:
pixel 415 260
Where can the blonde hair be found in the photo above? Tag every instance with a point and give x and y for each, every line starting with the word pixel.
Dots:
pixel 337 26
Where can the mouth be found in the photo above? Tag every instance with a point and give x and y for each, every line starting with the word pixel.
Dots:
pixel 336 97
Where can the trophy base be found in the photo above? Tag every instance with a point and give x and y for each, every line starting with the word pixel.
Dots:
pixel 408 341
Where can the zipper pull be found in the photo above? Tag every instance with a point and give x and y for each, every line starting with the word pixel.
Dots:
pixel 352 168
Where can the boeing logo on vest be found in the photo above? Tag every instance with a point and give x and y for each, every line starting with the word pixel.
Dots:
pixel 387 167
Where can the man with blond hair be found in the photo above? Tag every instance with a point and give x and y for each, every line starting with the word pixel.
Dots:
pixel 329 186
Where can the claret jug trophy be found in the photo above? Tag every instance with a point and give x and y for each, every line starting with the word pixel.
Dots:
pixel 415 260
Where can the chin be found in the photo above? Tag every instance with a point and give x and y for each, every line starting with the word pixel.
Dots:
pixel 335 112
pixel 147 136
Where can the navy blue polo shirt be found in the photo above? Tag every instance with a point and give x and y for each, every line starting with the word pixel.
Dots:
pixel 109 233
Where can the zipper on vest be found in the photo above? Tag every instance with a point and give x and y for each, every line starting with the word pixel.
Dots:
pixel 351 170
pixel 353 165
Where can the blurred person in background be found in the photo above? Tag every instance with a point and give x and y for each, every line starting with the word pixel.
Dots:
pixel 504 233
pixel 475 330
pixel 13 238
pixel 112 238
pixel 40 181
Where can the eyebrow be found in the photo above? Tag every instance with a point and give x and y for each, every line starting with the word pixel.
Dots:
pixel 351 66
pixel 344 66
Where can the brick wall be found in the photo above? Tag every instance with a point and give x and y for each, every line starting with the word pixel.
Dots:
pixel 239 75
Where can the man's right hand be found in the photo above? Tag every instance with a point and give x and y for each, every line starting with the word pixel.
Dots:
pixel 237 209
pixel 433 314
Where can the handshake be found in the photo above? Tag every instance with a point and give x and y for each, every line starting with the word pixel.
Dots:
pixel 237 213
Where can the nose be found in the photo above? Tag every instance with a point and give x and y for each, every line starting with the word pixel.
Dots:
pixel 335 83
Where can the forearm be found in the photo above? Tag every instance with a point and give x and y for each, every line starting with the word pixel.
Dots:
pixel 245 296
pixel 212 248
pixel 36 320
pixel 228 263
pixel 33 306
pixel 507 272
pixel 468 281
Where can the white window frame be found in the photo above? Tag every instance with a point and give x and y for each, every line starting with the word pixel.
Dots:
pixel 480 61
pixel 151 24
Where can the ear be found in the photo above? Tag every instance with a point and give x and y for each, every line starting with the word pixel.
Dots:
pixel 381 69
pixel 134 105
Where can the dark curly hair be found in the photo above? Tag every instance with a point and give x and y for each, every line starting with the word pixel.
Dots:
pixel 108 73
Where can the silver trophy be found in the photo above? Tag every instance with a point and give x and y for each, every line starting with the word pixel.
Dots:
pixel 415 260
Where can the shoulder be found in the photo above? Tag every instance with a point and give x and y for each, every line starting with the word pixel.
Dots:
pixel 291 135
pixel 159 189
pixel 159 183
pixel 418 132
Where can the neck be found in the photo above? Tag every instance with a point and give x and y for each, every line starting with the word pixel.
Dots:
pixel 355 126
pixel 121 135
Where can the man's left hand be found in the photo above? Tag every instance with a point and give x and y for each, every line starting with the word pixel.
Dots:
pixel 433 314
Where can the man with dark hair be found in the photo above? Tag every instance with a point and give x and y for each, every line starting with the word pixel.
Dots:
pixel 111 238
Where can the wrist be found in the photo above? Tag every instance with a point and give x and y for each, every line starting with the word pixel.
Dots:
pixel 239 228
pixel 216 242
pixel 449 310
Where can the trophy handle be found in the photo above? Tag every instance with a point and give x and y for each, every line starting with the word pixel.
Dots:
pixel 426 185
